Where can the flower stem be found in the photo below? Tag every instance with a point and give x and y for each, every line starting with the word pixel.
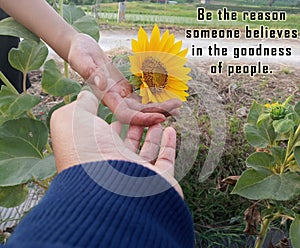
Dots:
pixel 44 187
pixel 61 11
pixel 66 69
pixel 290 146
pixel 48 148
pixel 31 115
pixel 8 84
pixel 297 133
pixel 67 99
pixel 290 158
pixel 263 232
pixel 24 82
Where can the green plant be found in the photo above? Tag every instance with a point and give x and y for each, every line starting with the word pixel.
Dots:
pixel 25 152
pixel 272 174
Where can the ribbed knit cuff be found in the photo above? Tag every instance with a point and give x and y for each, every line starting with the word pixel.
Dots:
pixel 106 204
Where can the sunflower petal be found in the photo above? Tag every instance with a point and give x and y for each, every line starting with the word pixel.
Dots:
pixel 143 39
pixel 163 41
pixel 175 48
pixel 155 39
pixel 183 52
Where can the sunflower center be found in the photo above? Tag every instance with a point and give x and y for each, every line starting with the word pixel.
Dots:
pixel 154 73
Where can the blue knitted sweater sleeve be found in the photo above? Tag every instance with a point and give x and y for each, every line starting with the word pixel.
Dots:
pixel 107 204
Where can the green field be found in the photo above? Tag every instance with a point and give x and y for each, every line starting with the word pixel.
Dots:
pixel 186 15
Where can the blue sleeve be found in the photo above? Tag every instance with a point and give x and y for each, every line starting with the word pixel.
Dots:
pixel 107 204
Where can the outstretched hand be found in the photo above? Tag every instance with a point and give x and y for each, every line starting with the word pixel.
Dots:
pixel 109 85
pixel 79 136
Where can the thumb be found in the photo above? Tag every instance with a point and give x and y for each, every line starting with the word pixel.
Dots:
pixel 87 101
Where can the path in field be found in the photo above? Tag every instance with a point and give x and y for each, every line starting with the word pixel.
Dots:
pixel 111 39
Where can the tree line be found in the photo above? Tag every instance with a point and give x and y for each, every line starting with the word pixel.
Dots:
pixel 207 2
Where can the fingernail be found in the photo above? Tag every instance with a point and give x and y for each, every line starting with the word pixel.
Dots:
pixel 97 81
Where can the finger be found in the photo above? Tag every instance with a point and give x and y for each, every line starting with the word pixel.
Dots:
pixel 163 107
pixel 166 156
pixel 146 119
pixel 133 137
pixel 117 127
pixel 109 78
pixel 151 145
pixel 127 115
pixel 87 101
pixel 174 112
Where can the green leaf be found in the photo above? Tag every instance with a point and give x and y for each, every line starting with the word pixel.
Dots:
pixel 296 111
pixel 13 106
pixel 283 125
pixel 297 154
pixel 278 153
pixel 9 26
pixel 87 25
pixel 255 111
pixel 30 55
pixel 263 118
pixel 21 104
pixel 105 113
pixel 266 129
pixel 13 196
pixel 259 137
pixel 286 102
pixel 136 81
pixel 125 69
pixel 263 184
pixel 28 131
pixel 22 142
pixel 80 21
pixel 297 108
pixel 55 84
pixel 260 160
pixel 72 13
pixel 294 167
pixel 44 168
pixel 295 231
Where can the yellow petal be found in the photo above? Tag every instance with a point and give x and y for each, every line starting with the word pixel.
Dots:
pixel 155 39
pixel 175 48
pixel 164 40
pixel 143 39
pixel 183 53
pixel 179 94
pixel 136 46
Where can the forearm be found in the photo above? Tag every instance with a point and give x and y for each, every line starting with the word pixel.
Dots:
pixel 79 211
pixel 40 18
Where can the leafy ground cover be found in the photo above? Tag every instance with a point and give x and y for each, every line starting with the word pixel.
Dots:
pixel 218 214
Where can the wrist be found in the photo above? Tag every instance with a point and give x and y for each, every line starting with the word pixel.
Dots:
pixel 63 41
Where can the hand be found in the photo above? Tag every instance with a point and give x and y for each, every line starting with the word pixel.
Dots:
pixel 79 136
pixel 110 86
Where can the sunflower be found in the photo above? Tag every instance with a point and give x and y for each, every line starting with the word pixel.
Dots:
pixel 158 65
pixel 277 110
